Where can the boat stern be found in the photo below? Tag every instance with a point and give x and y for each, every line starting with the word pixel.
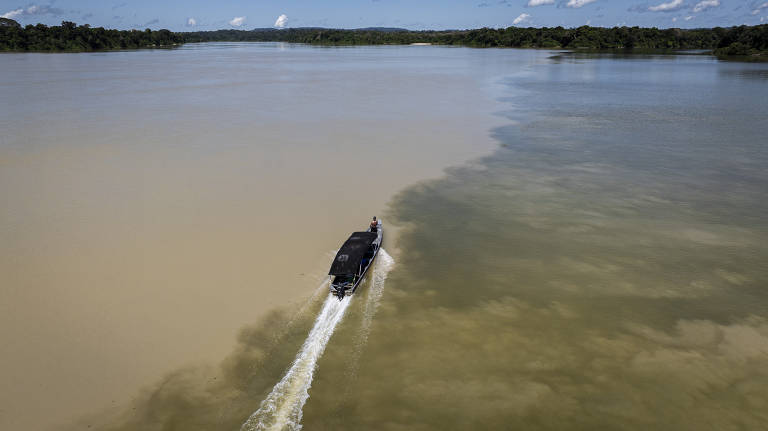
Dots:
pixel 341 284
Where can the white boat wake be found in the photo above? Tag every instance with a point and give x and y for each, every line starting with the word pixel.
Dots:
pixel 282 409
pixel 384 264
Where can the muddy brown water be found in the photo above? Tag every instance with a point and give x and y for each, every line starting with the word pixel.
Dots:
pixel 598 264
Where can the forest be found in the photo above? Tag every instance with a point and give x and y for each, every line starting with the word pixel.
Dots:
pixel 749 42
pixel 734 41
pixel 69 37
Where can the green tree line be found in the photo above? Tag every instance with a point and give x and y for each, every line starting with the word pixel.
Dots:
pixel 745 41
pixel 742 40
pixel 71 37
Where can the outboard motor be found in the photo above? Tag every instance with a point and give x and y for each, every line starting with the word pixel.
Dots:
pixel 340 293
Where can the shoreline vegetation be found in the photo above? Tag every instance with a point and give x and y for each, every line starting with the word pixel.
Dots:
pixel 739 43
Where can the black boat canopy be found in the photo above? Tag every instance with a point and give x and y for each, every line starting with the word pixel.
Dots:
pixel 347 261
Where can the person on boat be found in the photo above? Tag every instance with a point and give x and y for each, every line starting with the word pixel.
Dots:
pixel 374 225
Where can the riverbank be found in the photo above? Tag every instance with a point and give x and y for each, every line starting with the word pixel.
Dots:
pixel 734 43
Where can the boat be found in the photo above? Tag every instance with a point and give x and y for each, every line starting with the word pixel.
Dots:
pixel 353 259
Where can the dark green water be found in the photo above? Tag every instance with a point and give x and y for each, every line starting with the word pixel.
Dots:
pixel 605 268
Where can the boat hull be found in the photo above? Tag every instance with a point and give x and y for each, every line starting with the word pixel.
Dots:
pixel 342 290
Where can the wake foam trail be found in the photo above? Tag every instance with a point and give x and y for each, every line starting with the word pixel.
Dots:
pixel 283 406
pixel 282 409
pixel 384 264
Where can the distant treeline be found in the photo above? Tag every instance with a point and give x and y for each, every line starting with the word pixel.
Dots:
pixel 71 37
pixel 741 40
pixel 733 41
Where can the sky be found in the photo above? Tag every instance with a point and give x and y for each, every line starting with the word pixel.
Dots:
pixel 191 15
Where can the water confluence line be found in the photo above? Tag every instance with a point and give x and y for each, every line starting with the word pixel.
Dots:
pixel 282 409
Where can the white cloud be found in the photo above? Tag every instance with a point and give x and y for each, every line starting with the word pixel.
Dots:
pixel 522 18
pixel 31 10
pixel 191 22
pixel 578 3
pixel 281 21
pixel 12 14
pixel 705 4
pixel 533 3
pixel 690 17
pixel 757 9
pixel 237 21
pixel 674 19
pixel 664 7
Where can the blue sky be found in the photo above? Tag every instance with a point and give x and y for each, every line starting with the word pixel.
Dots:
pixel 413 14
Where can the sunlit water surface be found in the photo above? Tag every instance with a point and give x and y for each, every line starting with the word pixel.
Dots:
pixel 604 268
pixel 154 202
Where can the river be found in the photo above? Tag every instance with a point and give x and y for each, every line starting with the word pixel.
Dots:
pixel 593 257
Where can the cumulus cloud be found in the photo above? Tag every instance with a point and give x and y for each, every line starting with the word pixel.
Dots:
pixel 667 7
pixel 191 22
pixel 688 18
pixel 524 17
pixel 578 3
pixel 237 21
pixel 281 21
pixel 533 3
pixel 12 14
pixel 705 4
pixel 759 8
pixel 31 11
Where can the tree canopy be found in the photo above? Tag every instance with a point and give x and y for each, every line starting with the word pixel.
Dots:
pixel 741 40
pixel 7 22
pixel 747 41
pixel 71 37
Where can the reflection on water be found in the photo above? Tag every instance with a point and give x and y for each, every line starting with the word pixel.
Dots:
pixel 634 54
pixel 757 71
